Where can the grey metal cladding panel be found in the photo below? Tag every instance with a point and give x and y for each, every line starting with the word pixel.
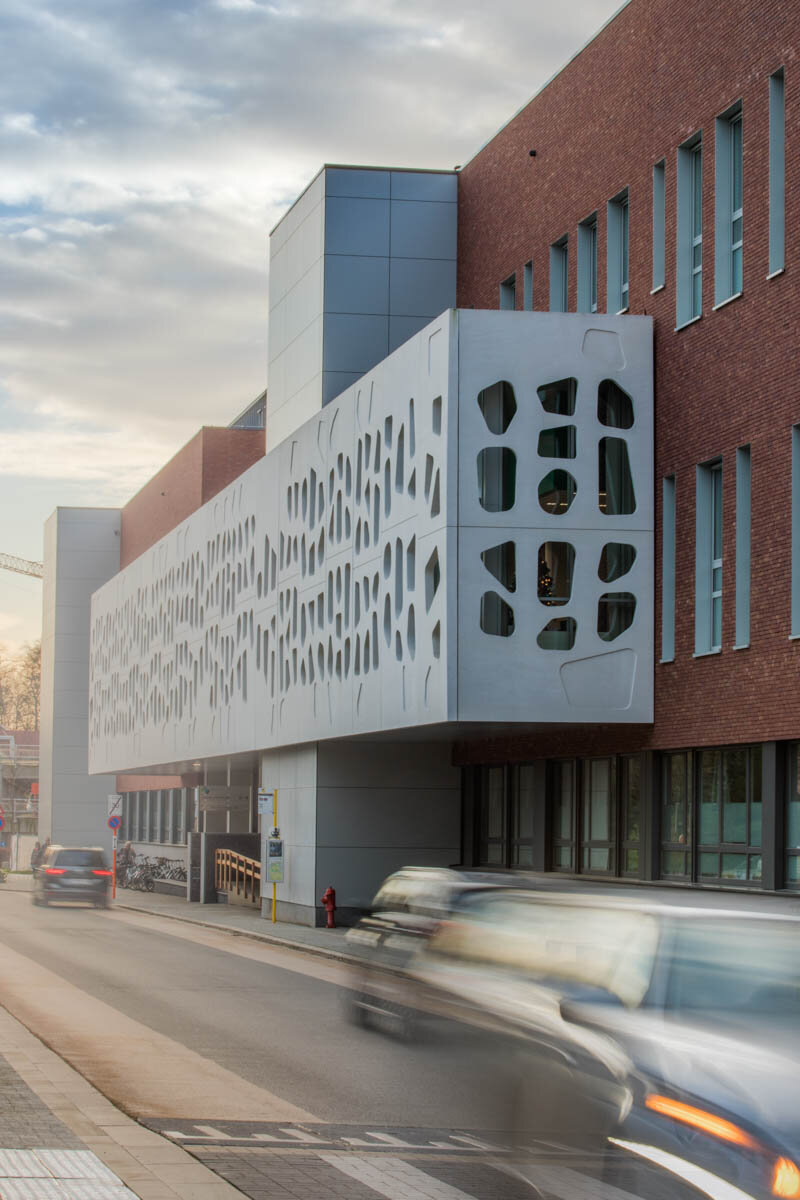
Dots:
pixel 336 382
pixel 339 182
pixel 353 342
pixel 423 229
pixel 403 328
pixel 424 185
pixel 356 284
pixel 422 286
pixel 355 225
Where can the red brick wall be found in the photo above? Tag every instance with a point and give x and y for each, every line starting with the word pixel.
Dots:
pixel 660 71
pixel 209 462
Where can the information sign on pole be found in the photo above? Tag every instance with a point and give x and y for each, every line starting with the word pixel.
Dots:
pixel 275 860
pixel 265 802
pixel 114 804
pixel 114 823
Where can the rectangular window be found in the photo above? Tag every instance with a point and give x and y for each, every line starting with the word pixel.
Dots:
pixel 708 559
pixel 689 255
pixel 676 816
pixel 630 814
pixel 617 254
pixel 564 815
pixel 492 839
pixel 743 546
pixel 142 816
pixel 728 205
pixel 659 223
pixel 559 274
pixel 777 171
pixel 598 834
pixel 527 287
pixel 521 816
pixel 152 816
pixel 795 615
pixel 508 293
pixel 729 815
pixel 792 828
pixel 587 265
pixel 668 570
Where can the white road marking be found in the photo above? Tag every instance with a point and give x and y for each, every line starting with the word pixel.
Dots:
pixel 308 1139
pixel 390 1140
pixel 393 1178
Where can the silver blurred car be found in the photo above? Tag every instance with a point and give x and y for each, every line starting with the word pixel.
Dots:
pixel 657 1043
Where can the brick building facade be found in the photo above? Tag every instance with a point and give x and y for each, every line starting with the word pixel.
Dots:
pixel 656 82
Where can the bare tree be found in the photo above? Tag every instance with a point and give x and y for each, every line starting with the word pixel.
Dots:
pixel 20 684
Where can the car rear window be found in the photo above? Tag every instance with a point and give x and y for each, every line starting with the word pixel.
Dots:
pixel 80 858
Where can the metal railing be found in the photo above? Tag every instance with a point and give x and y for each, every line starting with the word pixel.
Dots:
pixel 238 874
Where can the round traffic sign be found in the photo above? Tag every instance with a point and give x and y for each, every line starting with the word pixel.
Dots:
pixel 114 822
pixel 2 820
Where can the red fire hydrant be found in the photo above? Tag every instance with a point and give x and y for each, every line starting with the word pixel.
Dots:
pixel 328 901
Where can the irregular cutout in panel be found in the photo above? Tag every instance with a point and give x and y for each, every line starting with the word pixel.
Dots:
pixel 616 494
pixel 398 646
pixel 432 579
pixel 411 563
pixel 435 498
pixel 559 397
pixel 398 578
pixel 558 634
pixel 498 406
pixel 604 346
pixel 556 565
pixel 428 475
pixel 411 633
pixel 436 415
pixel 603 681
pixel 387 620
pixel 387 432
pixel 412 484
pixel 412 434
pixel 616 559
pixel 497 478
pixel 557 490
pixel 615 613
pixel 497 617
pixel 614 406
pixel 387 560
pixel 560 442
pixel 501 561
pixel 436 640
pixel 399 466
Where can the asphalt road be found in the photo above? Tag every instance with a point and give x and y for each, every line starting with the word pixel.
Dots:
pixel 132 1001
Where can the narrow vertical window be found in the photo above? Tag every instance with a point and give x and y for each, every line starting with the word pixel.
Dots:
pixel 668 570
pixel 587 265
pixel 527 287
pixel 559 263
pixel 728 206
pixel 617 260
pixel 795 621
pixel 777 171
pixel 743 546
pixel 659 223
pixel 708 559
pixel 508 293
pixel 689 257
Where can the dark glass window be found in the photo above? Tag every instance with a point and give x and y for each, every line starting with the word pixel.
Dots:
pixel 616 495
pixel 559 397
pixel 676 816
pixel 792 831
pixel 564 793
pixel 599 816
pixel 497 478
pixel 506 803
pixel 729 815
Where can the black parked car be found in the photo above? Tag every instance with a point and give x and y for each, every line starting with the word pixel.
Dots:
pixel 74 873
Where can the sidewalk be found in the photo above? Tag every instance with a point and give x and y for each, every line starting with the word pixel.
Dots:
pixel 62 1140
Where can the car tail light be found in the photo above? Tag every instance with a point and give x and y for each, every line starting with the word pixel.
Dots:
pixel 55 870
pixel 708 1122
pixel 101 872
pixel 786 1179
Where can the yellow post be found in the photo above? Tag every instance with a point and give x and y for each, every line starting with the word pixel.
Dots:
pixel 274 826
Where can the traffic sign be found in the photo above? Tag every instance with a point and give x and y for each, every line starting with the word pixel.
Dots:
pixel 114 803
pixel 114 823
pixel 2 821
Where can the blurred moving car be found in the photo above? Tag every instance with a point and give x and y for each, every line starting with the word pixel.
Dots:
pixel 407 910
pixel 659 1042
pixel 74 873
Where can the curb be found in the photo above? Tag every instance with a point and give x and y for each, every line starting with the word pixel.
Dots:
pixel 267 938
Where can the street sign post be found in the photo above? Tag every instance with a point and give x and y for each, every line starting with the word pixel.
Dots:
pixel 114 804
pixel 114 823
pixel 265 798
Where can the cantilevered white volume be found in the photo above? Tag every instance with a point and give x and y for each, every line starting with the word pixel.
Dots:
pixel 464 535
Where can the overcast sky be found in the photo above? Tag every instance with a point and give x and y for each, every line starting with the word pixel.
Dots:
pixel 146 148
